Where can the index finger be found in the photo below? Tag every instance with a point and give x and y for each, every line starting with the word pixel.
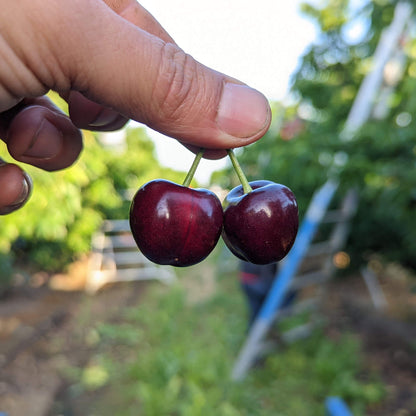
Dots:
pixel 135 13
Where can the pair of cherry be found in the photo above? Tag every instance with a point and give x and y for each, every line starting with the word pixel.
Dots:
pixel 179 226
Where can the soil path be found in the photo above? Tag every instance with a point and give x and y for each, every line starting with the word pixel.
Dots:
pixel 43 332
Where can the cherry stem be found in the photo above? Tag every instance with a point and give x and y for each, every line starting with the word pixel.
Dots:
pixel 192 170
pixel 243 179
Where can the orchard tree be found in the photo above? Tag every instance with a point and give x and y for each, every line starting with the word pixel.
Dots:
pixel 67 207
pixel 306 143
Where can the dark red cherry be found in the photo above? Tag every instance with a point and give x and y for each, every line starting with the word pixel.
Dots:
pixel 260 226
pixel 175 225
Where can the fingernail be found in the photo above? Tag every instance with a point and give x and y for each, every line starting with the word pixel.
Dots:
pixel 104 118
pixel 22 198
pixel 243 112
pixel 46 143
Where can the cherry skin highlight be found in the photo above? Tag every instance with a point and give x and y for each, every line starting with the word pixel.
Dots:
pixel 175 225
pixel 260 226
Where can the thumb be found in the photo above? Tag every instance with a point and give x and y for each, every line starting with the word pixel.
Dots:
pixel 119 65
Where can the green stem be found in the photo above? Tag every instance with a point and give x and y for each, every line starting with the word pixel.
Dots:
pixel 243 179
pixel 192 170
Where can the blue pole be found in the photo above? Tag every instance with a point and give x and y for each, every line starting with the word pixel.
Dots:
pixel 306 233
pixel 336 407
pixel 313 217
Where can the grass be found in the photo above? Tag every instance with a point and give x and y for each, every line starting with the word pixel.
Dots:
pixel 168 356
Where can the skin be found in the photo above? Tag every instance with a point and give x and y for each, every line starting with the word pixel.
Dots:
pixel 112 61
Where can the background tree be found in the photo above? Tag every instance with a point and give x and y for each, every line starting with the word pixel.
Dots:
pixel 67 207
pixel 380 160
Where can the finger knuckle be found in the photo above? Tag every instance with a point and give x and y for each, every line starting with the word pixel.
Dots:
pixel 177 84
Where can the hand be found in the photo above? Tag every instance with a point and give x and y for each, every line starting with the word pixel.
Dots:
pixel 111 61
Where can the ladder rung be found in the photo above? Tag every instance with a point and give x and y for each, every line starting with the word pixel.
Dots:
pixel 299 332
pixel 309 279
pixel 334 216
pixel 129 258
pixel 319 249
pixel 120 241
pixel 146 273
pixel 299 307
pixel 116 226
pixel 99 279
pixel 115 242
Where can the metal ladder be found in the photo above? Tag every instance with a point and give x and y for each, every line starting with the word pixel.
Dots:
pixel 363 105
pixel 291 278
pixel 115 258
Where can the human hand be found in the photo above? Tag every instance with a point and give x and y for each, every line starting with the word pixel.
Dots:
pixel 111 61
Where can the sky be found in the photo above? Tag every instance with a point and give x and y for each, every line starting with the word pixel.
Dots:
pixel 258 42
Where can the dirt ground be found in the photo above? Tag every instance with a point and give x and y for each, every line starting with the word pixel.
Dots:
pixel 388 336
pixel 43 331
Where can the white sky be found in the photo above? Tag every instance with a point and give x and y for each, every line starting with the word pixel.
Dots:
pixel 258 42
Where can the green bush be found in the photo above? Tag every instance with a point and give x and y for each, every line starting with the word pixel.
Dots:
pixel 381 166
pixel 379 160
pixel 68 206
pixel 6 270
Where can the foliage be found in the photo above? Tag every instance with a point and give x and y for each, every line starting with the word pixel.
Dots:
pixel 68 206
pixel 307 142
pixel 380 159
pixel 168 357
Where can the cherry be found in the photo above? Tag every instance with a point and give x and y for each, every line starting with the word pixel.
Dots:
pixel 260 219
pixel 173 224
